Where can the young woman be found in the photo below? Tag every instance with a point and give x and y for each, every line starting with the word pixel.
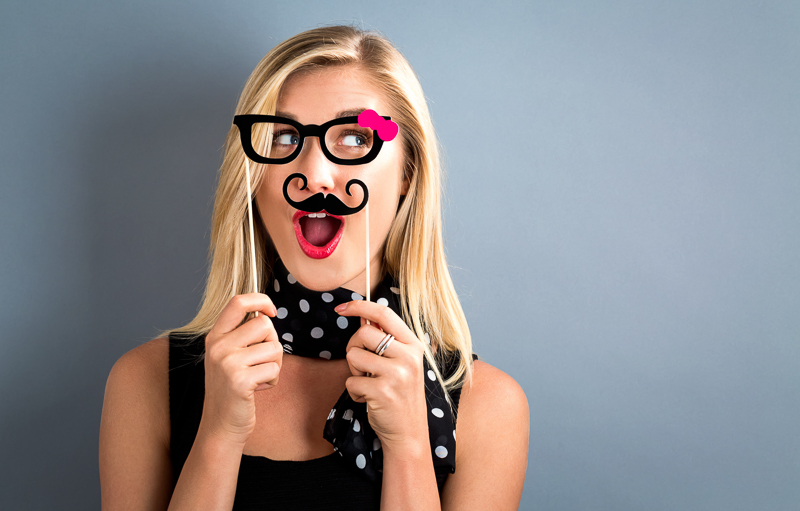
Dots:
pixel 304 395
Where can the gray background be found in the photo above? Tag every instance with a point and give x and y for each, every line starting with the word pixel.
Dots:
pixel 622 221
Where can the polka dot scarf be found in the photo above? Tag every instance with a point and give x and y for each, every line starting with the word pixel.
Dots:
pixel 308 326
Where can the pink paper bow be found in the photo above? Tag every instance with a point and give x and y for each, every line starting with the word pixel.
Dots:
pixel 387 130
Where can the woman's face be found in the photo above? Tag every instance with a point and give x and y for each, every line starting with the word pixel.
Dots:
pixel 316 98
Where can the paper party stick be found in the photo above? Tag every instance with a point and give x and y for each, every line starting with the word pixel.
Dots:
pixel 250 215
pixel 366 210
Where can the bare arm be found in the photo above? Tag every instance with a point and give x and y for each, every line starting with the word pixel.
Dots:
pixel 491 444
pixel 409 481
pixel 135 465
pixel 209 476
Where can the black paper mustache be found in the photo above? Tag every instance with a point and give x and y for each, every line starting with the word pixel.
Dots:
pixel 330 203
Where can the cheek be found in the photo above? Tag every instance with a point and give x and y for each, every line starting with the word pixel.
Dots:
pixel 269 208
pixel 383 209
pixel 271 190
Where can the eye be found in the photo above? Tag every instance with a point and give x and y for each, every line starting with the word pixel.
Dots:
pixel 354 140
pixel 287 139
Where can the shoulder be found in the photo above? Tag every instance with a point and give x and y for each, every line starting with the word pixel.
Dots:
pixel 491 442
pixel 486 376
pixel 492 396
pixel 143 362
pixel 140 377
pixel 134 458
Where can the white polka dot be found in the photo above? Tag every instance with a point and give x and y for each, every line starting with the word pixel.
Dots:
pixel 333 412
pixel 291 279
pixel 287 337
pixel 383 301
pixel 395 290
pixel 341 321
pixel 282 313
pixel 340 453
pixel 437 412
pixel 316 332
pixel 356 296
pixel 348 415
pixel 277 286
pixel 441 451
pixel 325 354
pixel 427 338
pixel 327 297
pixel 431 375
pixel 454 434
pixel 376 444
pixel 287 348
pixel 356 426
pixel 361 461
pixel 304 306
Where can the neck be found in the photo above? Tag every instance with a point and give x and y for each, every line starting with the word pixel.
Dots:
pixel 359 283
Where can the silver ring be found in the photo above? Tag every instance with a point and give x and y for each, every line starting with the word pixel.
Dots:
pixel 385 342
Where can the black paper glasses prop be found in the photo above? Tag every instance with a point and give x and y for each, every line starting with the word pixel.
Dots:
pixel 279 140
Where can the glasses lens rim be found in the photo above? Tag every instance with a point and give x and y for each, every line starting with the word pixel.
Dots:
pixel 245 124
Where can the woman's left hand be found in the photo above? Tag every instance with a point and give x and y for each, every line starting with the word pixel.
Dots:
pixel 395 391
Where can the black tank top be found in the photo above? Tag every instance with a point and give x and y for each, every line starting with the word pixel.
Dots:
pixel 321 483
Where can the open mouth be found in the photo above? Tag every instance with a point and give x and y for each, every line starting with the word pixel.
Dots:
pixel 318 233
pixel 319 228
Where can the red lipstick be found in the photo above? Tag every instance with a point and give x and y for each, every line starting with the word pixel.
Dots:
pixel 314 251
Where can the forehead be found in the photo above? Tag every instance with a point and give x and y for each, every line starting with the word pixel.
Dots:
pixel 317 96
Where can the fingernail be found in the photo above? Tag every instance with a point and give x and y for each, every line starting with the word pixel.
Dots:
pixel 340 307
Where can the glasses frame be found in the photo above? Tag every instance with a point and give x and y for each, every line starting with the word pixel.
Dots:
pixel 245 124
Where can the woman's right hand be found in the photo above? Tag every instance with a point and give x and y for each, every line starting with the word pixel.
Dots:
pixel 239 360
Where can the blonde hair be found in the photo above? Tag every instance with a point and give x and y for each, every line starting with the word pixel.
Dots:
pixel 414 250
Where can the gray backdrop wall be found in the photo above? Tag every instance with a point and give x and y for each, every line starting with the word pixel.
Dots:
pixel 633 263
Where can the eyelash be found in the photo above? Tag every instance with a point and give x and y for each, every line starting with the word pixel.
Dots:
pixel 367 139
pixel 276 136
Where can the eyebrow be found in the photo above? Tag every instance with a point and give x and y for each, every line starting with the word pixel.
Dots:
pixel 343 113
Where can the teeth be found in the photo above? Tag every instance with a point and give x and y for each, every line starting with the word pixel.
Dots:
pixel 317 215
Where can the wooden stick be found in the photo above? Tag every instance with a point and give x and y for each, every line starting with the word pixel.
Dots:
pixel 369 282
pixel 250 214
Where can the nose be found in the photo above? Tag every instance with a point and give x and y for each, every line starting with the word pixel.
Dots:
pixel 318 169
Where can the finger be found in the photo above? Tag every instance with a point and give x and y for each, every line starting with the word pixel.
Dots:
pixel 372 323
pixel 368 337
pixel 239 306
pixel 381 314
pixel 264 375
pixel 260 353
pixel 364 361
pixel 254 331
pixel 360 388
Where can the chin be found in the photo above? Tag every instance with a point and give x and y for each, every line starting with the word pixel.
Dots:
pixel 323 274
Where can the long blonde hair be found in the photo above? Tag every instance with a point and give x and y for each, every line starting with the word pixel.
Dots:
pixel 414 252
